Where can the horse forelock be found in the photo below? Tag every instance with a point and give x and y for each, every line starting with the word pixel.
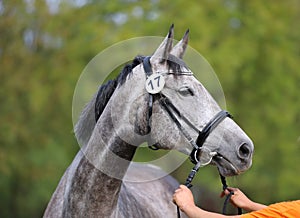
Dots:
pixel 175 64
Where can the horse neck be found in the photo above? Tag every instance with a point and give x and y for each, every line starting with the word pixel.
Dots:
pixel 86 123
pixel 97 172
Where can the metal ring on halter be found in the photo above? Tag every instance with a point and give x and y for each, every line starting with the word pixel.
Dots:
pixel 196 155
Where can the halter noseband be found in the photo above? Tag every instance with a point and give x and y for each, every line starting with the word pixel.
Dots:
pixel 172 110
pixel 202 134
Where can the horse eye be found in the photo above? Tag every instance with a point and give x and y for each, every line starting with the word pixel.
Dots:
pixel 186 91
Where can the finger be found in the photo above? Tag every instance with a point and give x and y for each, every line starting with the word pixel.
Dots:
pixel 174 200
pixel 177 190
pixel 222 194
pixel 174 197
pixel 183 187
pixel 227 192
pixel 232 189
pixel 180 188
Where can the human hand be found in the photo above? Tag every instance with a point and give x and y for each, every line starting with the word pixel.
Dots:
pixel 239 199
pixel 183 197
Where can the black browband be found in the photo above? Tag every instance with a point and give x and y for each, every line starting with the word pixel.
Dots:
pixel 172 110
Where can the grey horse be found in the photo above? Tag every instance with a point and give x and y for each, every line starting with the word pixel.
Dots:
pixel 102 181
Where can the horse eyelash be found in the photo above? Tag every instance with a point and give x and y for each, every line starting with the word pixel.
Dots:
pixel 186 91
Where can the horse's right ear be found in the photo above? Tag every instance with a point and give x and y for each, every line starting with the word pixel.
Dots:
pixel 163 51
pixel 180 47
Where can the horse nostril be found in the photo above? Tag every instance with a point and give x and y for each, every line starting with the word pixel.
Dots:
pixel 244 151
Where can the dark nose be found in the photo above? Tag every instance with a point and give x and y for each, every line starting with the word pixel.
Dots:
pixel 244 151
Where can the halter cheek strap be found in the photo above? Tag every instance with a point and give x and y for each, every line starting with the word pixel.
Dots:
pixel 172 110
pixel 202 135
pixel 148 71
pixel 147 66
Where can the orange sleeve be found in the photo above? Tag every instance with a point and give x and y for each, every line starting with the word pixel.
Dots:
pixel 290 209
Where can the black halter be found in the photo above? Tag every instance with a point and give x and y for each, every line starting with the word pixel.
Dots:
pixel 148 71
pixel 202 134
pixel 172 110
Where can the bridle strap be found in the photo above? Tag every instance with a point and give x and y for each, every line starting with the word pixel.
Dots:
pixel 211 125
pixel 149 114
pixel 148 70
pixel 204 133
pixel 168 104
pixel 171 109
pixel 147 66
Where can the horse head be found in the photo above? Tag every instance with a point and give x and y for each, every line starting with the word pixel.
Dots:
pixel 174 114
pixel 157 100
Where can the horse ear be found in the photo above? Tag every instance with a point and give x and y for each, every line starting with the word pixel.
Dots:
pixel 163 51
pixel 180 47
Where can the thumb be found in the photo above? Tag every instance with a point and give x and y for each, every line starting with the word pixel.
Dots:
pixel 225 192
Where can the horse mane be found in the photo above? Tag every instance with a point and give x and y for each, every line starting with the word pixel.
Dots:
pixel 93 110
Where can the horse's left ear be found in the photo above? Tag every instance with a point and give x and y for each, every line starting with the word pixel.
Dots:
pixel 163 51
pixel 180 47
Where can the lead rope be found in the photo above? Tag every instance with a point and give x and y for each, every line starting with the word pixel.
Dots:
pixel 188 183
pixel 225 186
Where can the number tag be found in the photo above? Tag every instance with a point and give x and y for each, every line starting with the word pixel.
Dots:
pixel 155 83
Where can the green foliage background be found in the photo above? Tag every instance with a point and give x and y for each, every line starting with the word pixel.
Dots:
pixel 253 46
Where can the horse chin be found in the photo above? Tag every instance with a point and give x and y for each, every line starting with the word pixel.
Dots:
pixel 225 167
